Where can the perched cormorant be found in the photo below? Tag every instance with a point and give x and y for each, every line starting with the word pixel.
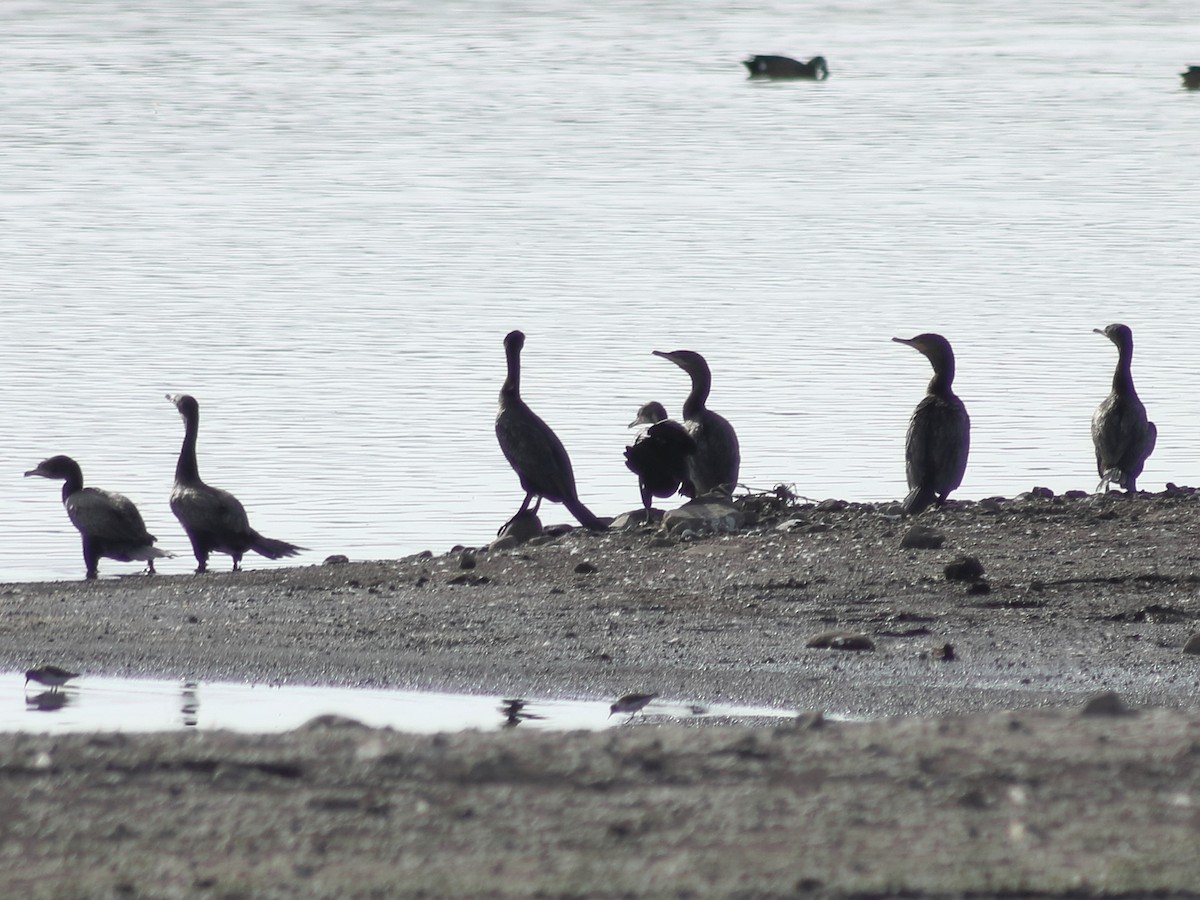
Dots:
pixel 659 455
pixel 109 523
pixel 1191 78
pixel 215 521
pixel 786 67
pixel 1121 433
pixel 717 459
pixel 939 434
pixel 532 449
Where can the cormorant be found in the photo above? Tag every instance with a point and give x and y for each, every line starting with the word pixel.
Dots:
pixel 786 67
pixel 1191 78
pixel 659 455
pixel 532 449
pixel 215 521
pixel 1121 433
pixel 717 459
pixel 109 523
pixel 939 434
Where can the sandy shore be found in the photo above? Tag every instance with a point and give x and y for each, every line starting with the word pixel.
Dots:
pixel 991 782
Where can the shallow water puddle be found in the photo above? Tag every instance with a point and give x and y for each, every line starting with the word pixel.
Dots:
pixel 120 704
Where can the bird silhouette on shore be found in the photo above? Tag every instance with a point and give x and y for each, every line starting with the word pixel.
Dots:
pixel 1123 436
pixel 215 520
pixel 784 67
pixel 939 433
pixel 533 449
pixel 52 677
pixel 716 461
pixel 109 523
pixel 659 455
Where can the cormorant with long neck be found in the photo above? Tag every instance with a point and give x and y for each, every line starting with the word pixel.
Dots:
pixel 532 449
pixel 109 523
pixel 659 455
pixel 215 521
pixel 1124 438
pixel 939 434
pixel 717 459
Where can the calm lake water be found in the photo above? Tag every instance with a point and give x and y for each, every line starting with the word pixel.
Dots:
pixel 322 218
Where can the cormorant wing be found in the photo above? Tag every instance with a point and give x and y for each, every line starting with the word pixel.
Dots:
pixel 107 515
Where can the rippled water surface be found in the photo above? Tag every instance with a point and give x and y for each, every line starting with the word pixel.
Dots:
pixel 117 704
pixel 322 218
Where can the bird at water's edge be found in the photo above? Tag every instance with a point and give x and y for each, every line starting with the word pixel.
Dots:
pixel 659 455
pixel 1122 435
pixel 215 520
pixel 939 433
pixel 52 677
pixel 717 460
pixel 109 523
pixel 533 449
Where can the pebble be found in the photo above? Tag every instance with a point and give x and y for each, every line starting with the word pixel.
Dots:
pixel 841 640
pixel 922 537
pixel 1108 703
pixel 1193 644
pixel 338 559
pixel 467 560
pixel 585 568
pixel 965 568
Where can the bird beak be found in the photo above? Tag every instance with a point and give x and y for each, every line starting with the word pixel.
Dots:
pixel 1098 331
pixel 906 341
pixel 33 472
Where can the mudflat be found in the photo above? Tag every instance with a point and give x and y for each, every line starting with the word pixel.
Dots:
pixel 960 751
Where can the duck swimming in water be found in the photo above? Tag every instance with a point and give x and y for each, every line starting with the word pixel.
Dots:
pixel 109 523
pixel 939 433
pixel 1123 437
pixel 784 67
pixel 659 455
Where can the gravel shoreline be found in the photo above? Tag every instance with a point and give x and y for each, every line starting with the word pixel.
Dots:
pixel 1077 596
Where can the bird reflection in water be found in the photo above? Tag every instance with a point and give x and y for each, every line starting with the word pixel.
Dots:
pixel 191 705
pixel 514 713
pixel 47 701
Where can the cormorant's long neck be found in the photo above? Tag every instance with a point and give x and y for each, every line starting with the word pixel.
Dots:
pixel 701 385
pixel 512 381
pixel 942 382
pixel 187 471
pixel 1123 376
pixel 73 483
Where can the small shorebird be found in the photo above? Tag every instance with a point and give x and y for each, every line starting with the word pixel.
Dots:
pixel 631 703
pixel 51 676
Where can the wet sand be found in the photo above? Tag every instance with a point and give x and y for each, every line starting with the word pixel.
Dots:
pixel 988 780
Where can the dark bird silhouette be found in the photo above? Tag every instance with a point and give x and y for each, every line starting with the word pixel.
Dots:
pixel 1191 78
pixel 717 459
pixel 109 523
pixel 632 704
pixel 1124 438
pixel 533 449
pixel 215 521
pixel 781 67
pixel 939 434
pixel 659 455
pixel 52 677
